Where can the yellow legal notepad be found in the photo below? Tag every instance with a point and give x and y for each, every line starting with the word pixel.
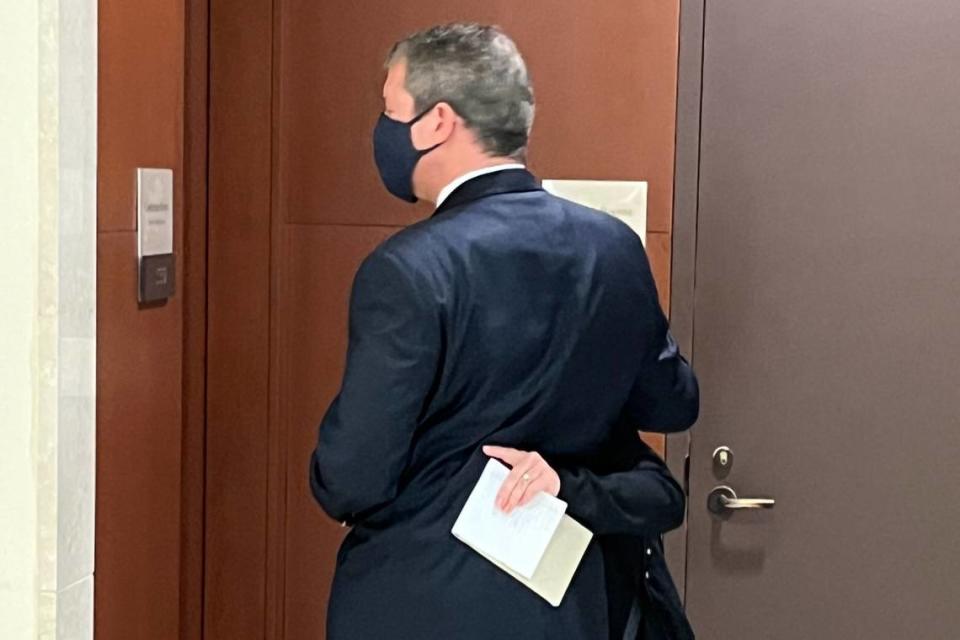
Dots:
pixel 553 575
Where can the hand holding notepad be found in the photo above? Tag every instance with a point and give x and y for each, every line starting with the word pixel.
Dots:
pixel 537 543
pixel 517 539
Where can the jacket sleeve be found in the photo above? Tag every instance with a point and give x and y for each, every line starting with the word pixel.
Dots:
pixel 392 359
pixel 636 495
pixel 665 397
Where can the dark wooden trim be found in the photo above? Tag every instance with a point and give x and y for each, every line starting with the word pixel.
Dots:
pixel 194 287
pixel 238 318
pixel 685 203
pixel 276 537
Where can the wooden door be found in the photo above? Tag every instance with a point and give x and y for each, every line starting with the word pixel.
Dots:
pixel 294 206
pixel 826 313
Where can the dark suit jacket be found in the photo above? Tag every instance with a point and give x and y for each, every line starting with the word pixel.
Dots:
pixel 628 498
pixel 509 317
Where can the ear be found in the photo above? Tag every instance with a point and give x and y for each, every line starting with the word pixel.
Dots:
pixel 436 127
pixel 444 122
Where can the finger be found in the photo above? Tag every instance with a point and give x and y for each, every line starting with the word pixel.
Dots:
pixel 532 467
pixel 548 482
pixel 508 487
pixel 508 455
pixel 514 478
pixel 518 492
pixel 533 472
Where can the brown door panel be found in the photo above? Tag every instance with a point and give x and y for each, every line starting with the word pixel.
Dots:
pixel 826 310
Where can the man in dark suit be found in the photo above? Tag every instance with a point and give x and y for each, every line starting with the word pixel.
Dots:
pixel 511 324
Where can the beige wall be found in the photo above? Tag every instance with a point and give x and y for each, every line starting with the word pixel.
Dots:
pixel 47 265
pixel 19 195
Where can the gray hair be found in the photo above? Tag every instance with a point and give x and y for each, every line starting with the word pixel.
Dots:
pixel 478 70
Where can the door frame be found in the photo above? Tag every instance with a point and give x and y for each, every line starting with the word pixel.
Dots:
pixel 686 201
pixel 213 35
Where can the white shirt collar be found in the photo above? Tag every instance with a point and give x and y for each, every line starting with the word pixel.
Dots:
pixel 447 190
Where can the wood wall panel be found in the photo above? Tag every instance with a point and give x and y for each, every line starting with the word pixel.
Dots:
pixel 331 85
pixel 320 266
pixel 139 348
pixel 238 318
pixel 140 100
pixel 138 453
pixel 604 75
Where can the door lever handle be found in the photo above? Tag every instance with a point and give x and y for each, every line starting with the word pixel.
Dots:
pixel 724 499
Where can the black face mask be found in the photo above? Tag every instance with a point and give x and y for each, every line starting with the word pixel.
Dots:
pixel 395 155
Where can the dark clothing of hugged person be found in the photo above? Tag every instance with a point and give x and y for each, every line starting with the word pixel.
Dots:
pixel 509 324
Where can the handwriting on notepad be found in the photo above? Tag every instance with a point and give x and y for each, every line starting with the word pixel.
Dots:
pixel 517 539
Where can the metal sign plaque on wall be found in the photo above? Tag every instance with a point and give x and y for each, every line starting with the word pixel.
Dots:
pixel 155 234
